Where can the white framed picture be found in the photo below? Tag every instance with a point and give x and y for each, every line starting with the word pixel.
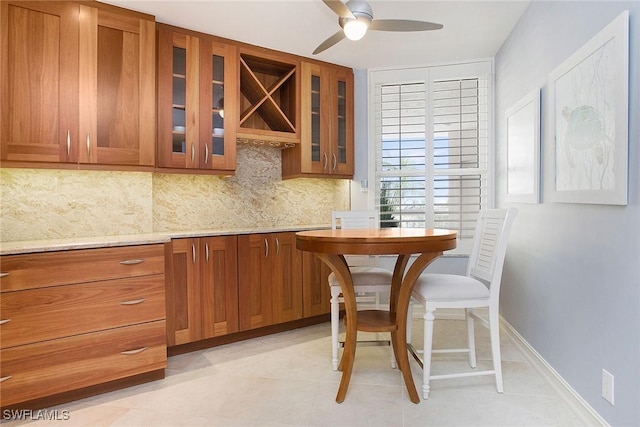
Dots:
pixel 523 149
pixel 588 119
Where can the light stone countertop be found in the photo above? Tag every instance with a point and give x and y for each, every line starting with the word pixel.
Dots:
pixel 49 245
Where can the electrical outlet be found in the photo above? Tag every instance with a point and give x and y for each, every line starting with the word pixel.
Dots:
pixel 607 385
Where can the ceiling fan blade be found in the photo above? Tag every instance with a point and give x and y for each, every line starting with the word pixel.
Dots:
pixel 329 42
pixel 339 8
pixel 403 25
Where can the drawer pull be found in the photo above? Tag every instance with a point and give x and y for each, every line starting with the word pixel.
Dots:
pixel 132 261
pixel 3 379
pixel 3 274
pixel 136 351
pixel 3 321
pixel 133 301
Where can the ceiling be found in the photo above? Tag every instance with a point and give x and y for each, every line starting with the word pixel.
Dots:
pixel 472 28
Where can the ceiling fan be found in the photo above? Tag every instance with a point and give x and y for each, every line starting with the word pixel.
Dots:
pixel 355 17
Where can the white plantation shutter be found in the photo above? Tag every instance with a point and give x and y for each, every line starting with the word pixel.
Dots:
pixel 431 134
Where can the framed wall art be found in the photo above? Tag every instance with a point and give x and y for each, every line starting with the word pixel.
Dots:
pixel 588 119
pixel 523 149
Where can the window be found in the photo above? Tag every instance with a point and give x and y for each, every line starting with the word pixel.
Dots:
pixel 431 146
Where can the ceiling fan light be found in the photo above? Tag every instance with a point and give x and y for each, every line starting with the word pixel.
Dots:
pixel 355 29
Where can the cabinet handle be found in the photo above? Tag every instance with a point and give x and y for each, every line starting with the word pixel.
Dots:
pixel 266 248
pixel 3 321
pixel 206 154
pixel 3 379
pixel 136 351
pixel 88 146
pixel 193 153
pixel 193 252
pixel 277 246
pixel 335 161
pixel 4 274
pixel 206 250
pixel 133 301
pixel 68 143
pixel 326 161
pixel 132 261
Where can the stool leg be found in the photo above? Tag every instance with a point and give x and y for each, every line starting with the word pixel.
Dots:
pixel 471 338
pixel 494 331
pixel 429 317
pixel 335 326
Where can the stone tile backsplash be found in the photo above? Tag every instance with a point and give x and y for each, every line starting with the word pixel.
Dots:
pixel 47 204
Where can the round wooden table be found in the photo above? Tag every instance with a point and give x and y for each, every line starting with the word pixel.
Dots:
pixel 332 245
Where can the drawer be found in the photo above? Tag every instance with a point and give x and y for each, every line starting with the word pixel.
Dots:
pixel 47 368
pixel 48 313
pixel 30 271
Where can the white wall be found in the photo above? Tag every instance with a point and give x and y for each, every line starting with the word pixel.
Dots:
pixel 571 282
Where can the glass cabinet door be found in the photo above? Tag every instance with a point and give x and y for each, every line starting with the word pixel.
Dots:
pixel 315 119
pixel 217 106
pixel 194 75
pixel 342 122
pixel 179 93
pixel 341 140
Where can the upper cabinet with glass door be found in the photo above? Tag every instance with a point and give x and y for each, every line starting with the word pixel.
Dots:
pixel 326 147
pixel 196 101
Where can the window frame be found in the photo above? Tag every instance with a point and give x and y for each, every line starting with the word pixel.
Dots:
pixel 429 74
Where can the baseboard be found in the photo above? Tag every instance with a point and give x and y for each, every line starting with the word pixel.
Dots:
pixel 580 407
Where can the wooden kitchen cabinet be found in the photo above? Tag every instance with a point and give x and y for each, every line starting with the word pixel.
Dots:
pixel 78 318
pixel 197 101
pixel 219 285
pixel 39 81
pixel 269 96
pixel 78 84
pixel 202 290
pixel 315 286
pixel 269 279
pixel 326 147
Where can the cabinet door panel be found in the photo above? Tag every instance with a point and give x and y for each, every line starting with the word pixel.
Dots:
pixel 286 281
pixel 117 88
pixel 316 291
pixel 219 285
pixel 39 82
pixel 254 286
pixel 184 315
pixel 316 116
pixel 342 127
pixel 218 105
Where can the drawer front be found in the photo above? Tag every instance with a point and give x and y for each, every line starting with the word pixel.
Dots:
pixel 29 271
pixel 43 369
pixel 49 313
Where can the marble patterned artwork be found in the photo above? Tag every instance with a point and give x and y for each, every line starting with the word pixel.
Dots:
pixel 50 204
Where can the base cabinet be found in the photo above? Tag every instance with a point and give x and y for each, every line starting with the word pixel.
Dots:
pixel 315 286
pixel 202 290
pixel 78 318
pixel 269 279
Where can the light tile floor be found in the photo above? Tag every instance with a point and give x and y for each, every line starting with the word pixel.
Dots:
pixel 286 380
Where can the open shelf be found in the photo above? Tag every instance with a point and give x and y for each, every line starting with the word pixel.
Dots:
pixel 268 94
